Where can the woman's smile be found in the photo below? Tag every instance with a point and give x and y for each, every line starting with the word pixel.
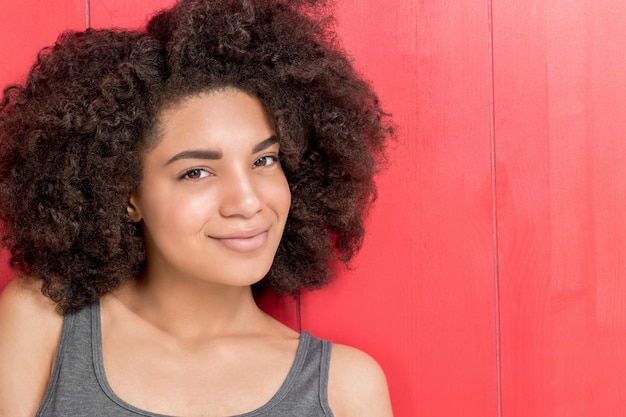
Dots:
pixel 245 241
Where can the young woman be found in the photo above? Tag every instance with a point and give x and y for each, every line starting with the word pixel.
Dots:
pixel 152 183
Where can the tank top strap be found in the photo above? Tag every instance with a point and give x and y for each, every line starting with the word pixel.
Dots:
pixel 305 391
pixel 324 367
pixel 73 359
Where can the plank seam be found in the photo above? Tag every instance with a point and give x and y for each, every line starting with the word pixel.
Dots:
pixel 298 312
pixel 87 14
pixel 494 206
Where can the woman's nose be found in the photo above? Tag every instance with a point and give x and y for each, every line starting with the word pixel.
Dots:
pixel 240 196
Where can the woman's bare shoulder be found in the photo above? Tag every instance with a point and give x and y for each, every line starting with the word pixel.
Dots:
pixel 357 385
pixel 25 292
pixel 30 329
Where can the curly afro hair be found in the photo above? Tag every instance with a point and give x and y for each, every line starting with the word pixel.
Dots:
pixel 331 128
pixel 71 139
pixel 70 146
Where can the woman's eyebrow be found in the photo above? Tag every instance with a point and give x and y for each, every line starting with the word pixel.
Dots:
pixel 265 144
pixel 195 154
pixel 207 154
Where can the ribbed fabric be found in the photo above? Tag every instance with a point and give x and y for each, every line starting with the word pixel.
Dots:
pixel 78 386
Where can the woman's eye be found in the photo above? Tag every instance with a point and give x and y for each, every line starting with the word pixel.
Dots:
pixel 195 174
pixel 266 161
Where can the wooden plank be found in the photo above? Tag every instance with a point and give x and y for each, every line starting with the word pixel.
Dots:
pixel 6 273
pixel 25 27
pixel 124 13
pixel 560 118
pixel 421 299
pixel 522 206
pixel 28 25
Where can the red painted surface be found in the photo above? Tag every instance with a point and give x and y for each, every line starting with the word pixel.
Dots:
pixel 421 298
pixel 509 114
pixel 560 106
pixel 28 25
pixel 124 13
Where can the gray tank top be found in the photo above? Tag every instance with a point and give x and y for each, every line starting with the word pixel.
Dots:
pixel 78 386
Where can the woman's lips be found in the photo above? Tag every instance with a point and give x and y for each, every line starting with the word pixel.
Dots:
pixel 244 242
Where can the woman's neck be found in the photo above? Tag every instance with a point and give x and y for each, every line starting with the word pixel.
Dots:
pixel 191 308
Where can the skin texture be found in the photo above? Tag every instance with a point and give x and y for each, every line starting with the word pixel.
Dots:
pixel 213 197
pixel 132 334
pixel 30 331
pixel 190 320
pixel 213 204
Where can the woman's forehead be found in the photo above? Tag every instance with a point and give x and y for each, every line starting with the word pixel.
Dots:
pixel 213 120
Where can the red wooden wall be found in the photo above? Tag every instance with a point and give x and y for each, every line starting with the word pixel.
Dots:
pixel 490 283
pixel 560 128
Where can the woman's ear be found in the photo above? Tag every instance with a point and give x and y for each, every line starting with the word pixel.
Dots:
pixel 134 213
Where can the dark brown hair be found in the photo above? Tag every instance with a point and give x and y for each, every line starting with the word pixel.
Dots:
pixel 68 161
pixel 70 143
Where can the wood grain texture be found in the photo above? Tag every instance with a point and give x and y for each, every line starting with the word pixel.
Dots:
pixel 26 26
pixel 560 122
pixel 421 297
pixel 123 13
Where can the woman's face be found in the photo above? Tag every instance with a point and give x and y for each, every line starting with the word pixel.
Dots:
pixel 213 199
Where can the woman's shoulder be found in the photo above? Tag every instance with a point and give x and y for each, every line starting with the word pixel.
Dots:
pixel 357 384
pixel 30 329
pixel 24 307
pixel 26 291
